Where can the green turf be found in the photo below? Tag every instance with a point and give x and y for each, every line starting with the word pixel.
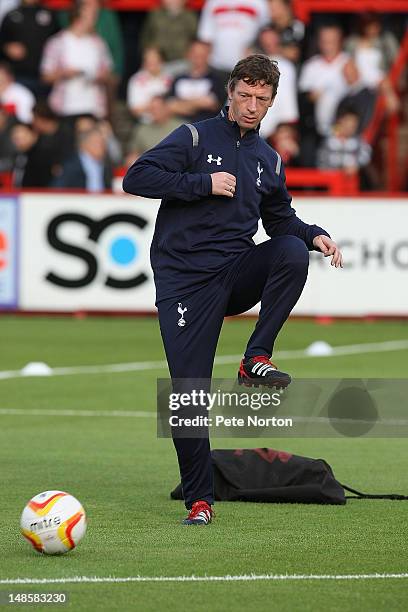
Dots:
pixel 123 474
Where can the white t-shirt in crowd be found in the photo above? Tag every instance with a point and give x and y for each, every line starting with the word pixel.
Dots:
pixel 81 94
pixel 231 26
pixel 369 62
pixel 143 86
pixel 285 107
pixel 20 100
pixel 318 74
pixel 191 88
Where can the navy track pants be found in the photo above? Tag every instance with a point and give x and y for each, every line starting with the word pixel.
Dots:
pixel 274 273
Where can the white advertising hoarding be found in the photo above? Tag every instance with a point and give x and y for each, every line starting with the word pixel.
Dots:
pixel 86 252
pixel 91 252
pixel 373 236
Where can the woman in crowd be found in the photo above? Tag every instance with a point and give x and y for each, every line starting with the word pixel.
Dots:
pixel 78 65
pixel 374 51
pixel 148 82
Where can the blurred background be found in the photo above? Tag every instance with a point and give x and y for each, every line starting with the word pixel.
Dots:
pixel 87 86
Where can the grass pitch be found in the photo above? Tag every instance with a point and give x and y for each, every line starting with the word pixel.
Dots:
pixel 123 475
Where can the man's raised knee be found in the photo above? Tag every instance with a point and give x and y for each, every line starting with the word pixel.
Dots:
pixel 295 251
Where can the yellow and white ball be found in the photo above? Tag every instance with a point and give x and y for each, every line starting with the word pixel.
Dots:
pixel 54 522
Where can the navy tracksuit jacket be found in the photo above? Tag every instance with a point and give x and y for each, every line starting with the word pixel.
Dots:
pixel 205 262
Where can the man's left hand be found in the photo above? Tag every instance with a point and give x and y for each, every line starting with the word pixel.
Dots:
pixel 328 247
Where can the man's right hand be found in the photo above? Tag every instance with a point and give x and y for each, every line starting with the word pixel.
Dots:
pixel 223 184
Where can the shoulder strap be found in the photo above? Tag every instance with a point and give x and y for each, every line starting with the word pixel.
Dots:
pixel 360 495
pixel 194 133
pixel 278 164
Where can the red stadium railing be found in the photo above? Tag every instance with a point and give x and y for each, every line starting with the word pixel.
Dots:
pixel 6 181
pixel 333 182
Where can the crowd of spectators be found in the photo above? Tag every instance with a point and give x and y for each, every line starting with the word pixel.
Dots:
pixel 61 74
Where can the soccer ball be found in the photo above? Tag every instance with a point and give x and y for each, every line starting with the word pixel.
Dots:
pixel 54 522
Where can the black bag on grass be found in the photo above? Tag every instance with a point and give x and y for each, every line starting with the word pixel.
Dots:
pixel 267 475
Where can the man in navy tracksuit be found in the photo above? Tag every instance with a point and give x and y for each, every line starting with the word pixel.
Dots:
pixel 217 178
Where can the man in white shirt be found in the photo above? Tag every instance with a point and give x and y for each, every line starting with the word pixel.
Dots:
pixel 231 26
pixel 322 77
pixel 15 97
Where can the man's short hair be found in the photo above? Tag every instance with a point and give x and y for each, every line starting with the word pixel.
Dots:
pixel 43 110
pixel 82 137
pixel 330 25
pixel 346 113
pixel 199 41
pixel 256 69
pixel 269 27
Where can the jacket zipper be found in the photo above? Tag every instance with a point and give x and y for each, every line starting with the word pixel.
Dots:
pixel 237 148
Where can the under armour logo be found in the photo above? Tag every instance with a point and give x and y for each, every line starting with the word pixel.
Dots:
pixel 260 170
pixel 181 322
pixel 217 160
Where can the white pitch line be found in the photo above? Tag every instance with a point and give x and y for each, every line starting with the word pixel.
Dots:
pixel 348 349
pixel 227 578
